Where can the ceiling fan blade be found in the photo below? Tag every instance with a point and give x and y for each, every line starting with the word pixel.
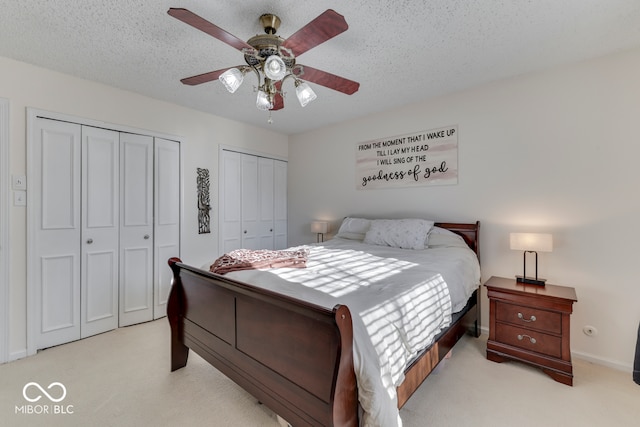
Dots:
pixel 278 102
pixel 329 80
pixel 205 77
pixel 326 26
pixel 202 24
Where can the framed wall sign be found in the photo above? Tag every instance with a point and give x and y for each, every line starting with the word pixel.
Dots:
pixel 415 159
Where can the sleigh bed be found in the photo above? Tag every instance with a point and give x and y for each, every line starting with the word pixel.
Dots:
pixel 295 356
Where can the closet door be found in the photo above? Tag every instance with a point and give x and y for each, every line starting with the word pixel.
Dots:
pixel 280 204
pixel 230 211
pixel 249 200
pixel 54 266
pixel 136 229
pixel 253 202
pixel 167 202
pixel 100 230
pixel 265 203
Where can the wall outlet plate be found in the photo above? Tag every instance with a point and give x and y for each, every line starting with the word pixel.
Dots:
pixel 20 198
pixel 19 182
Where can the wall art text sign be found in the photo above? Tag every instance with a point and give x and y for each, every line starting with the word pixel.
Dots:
pixel 416 159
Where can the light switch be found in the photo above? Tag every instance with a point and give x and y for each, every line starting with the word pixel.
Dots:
pixel 20 198
pixel 19 182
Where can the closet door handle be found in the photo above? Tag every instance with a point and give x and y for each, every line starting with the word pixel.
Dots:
pixel 146 237
pixel 90 241
pixel 245 231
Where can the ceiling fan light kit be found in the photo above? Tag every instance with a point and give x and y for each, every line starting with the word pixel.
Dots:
pixel 273 59
pixel 304 93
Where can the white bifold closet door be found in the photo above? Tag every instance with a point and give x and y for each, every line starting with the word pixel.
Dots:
pixel 136 229
pixel 253 202
pixel 167 203
pixel 54 272
pixel 100 230
pixel 106 218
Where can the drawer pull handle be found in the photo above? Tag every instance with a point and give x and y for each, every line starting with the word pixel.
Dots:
pixel 532 339
pixel 531 319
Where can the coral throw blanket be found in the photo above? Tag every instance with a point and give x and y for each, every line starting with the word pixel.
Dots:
pixel 247 259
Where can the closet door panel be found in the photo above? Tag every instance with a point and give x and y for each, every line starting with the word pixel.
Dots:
pixel 265 203
pixel 136 229
pixel 249 201
pixel 230 201
pixel 167 201
pixel 280 204
pixel 54 272
pixel 100 230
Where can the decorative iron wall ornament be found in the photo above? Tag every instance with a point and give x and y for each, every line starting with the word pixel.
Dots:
pixel 204 219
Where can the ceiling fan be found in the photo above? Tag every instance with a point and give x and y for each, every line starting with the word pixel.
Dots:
pixel 273 59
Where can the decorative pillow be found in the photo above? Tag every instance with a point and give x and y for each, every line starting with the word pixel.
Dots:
pixel 354 228
pixel 399 233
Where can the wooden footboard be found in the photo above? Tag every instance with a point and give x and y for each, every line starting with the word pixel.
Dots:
pixel 293 356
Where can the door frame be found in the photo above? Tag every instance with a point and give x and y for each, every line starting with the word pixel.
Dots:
pixel 5 241
pixel 32 115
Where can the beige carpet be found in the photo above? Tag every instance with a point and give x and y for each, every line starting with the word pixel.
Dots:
pixel 122 378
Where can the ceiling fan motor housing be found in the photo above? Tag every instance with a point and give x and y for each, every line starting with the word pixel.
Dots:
pixel 268 44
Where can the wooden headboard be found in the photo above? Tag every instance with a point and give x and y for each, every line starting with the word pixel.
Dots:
pixel 470 232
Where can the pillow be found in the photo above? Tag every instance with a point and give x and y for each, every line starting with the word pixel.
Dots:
pixel 440 237
pixel 399 233
pixel 354 228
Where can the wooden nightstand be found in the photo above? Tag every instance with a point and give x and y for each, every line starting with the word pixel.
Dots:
pixel 531 324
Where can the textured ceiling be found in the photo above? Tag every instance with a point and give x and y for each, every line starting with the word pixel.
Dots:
pixel 400 51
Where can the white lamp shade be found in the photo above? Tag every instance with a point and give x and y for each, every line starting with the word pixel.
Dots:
pixel 274 68
pixel 305 94
pixel 262 102
pixel 537 242
pixel 319 227
pixel 231 79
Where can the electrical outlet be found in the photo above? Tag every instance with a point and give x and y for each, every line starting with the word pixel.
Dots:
pixel 590 331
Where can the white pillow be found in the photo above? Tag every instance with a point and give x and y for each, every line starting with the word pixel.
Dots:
pixel 399 233
pixel 354 228
pixel 445 239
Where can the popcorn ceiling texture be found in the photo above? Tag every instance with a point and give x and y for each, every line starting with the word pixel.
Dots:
pixel 400 52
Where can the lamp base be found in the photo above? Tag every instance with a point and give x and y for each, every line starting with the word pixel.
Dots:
pixel 530 280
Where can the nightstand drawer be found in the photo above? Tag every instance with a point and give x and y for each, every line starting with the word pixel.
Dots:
pixel 529 340
pixel 527 317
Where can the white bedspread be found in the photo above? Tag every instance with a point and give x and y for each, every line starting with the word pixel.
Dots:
pixel 399 300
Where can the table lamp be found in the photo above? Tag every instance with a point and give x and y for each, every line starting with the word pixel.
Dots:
pixel 320 228
pixel 531 243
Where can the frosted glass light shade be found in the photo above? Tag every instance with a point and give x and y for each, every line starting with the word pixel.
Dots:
pixel 231 79
pixel 304 93
pixel 274 68
pixel 536 242
pixel 263 102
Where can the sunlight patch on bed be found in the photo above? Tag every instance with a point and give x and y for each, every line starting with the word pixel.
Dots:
pixel 339 272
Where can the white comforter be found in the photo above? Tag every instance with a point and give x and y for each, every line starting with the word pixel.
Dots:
pixel 399 300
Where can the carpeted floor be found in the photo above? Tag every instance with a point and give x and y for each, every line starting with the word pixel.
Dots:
pixel 122 378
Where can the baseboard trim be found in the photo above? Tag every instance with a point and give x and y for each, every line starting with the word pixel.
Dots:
pixel 17 355
pixel 613 364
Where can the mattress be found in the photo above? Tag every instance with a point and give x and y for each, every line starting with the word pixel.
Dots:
pixel 399 301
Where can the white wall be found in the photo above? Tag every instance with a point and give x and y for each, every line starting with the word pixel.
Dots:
pixel 28 86
pixel 552 152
